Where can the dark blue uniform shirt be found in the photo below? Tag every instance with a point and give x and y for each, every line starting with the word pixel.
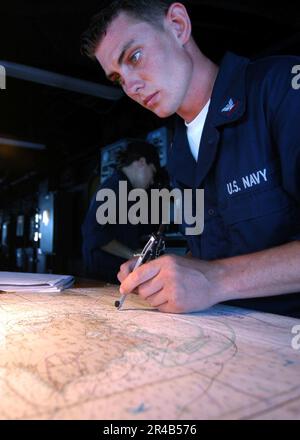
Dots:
pixel 248 165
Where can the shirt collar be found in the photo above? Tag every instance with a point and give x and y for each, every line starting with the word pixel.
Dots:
pixel 228 101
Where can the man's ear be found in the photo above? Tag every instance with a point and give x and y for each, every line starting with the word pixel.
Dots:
pixel 179 22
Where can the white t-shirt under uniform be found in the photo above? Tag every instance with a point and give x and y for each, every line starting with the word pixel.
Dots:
pixel 195 130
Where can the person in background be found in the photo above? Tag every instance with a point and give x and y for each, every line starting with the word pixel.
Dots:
pixel 106 247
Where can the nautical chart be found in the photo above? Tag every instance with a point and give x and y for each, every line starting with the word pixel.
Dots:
pixel 74 356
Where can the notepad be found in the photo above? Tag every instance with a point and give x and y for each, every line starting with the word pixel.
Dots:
pixel 34 282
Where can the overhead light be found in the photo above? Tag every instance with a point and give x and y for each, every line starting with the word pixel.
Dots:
pixel 28 73
pixel 22 144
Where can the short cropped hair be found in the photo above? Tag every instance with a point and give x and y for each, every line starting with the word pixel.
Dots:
pixel 135 150
pixel 150 11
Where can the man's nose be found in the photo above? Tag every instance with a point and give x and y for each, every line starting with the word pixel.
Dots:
pixel 133 86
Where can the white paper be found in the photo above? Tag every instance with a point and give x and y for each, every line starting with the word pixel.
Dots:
pixel 34 282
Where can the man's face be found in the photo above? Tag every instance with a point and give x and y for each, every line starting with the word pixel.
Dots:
pixel 144 174
pixel 150 64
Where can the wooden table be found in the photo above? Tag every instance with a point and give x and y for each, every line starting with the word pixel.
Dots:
pixel 72 355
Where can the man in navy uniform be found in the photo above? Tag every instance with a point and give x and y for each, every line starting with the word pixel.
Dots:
pixel 237 137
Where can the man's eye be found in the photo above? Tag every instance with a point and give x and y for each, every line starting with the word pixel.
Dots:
pixel 135 57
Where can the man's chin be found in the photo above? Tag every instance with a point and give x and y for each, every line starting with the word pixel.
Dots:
pixel 163 113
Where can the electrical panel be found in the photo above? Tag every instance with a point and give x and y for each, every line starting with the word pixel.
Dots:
pixel 20 226
pixel 160 138
pixel 55 223
pixel 46 207
pixel 5 233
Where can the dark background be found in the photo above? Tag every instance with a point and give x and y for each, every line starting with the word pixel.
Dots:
pixel 74 126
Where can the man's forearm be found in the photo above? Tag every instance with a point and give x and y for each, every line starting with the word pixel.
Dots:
pixel 118 249
pixel 273 271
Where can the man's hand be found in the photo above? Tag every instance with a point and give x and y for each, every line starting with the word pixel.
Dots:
pixel 177 284
pixel 126 269
pixel 172 284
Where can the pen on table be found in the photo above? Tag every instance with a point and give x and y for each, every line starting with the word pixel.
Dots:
pixel 153 249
